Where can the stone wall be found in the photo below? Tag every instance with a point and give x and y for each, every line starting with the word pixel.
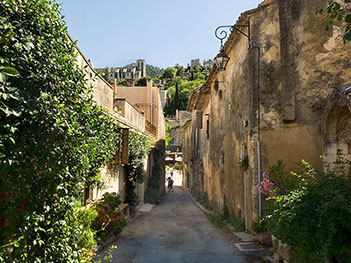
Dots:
pixel 103 91
pixel 130 114
pixel 283 87
pixel 114 174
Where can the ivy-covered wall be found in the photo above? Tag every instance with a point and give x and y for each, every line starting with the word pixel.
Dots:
pixel 54 137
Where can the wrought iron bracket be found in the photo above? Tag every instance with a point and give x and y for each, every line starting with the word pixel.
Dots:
pixel 222 34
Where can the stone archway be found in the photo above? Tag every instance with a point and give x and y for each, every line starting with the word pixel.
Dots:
pixel 338 134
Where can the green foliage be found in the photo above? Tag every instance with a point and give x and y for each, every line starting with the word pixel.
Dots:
pixel 53 136
pixel 178 92
pixel 259 227
pixel 139 148
pixel 121 83
pixel 169 73
pixel 179 85
pixel 178 166
pixel 205 202
pixel 340 14
pixel 85 217
pixel 109 202
pixel 109 220
pixel 153 190
pixel 168 138
pixel 153 72
pixel 314 219
pixel 236 224
pixel 244 162
pixel 230 223
pixel 226 219
pixel 105 74
pixel 287 181
pixel 180 70
pixel 142 82
pixel 197 74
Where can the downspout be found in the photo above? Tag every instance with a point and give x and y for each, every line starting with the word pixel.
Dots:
pixel 259 172
pixel 245 201
pixel 259 133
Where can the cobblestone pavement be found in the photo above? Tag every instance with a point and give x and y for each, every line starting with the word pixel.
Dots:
pixel 176 231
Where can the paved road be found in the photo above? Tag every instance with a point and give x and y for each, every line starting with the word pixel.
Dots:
pixel 176 231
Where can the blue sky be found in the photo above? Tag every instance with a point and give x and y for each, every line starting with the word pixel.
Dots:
pixel 164 32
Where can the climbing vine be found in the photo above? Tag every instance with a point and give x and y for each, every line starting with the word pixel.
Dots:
pixel 154 189
pixel 53 136
pixel 139 148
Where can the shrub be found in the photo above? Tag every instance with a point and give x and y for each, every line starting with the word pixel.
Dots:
pixel 314 220
pixel 109 220
pixel 152 196
pixel 139 148
pixel 153 190
pixel 227 219
pixel 85 218
pixel 205 202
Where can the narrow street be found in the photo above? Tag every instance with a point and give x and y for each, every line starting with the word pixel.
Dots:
pixel 174 231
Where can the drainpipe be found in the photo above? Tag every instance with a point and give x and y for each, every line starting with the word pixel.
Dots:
pixel 245 201
pixel 258 129
pixel 259 172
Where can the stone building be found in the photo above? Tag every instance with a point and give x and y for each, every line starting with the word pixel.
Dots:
pixel 175 146
pixel 134 71
pixel 280 98
pixel 130 118
pixel 148 101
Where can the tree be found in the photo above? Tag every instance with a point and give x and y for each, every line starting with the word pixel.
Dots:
pixel 338 13
pixel 54 138
pixel 169 73
pixel 180 70
pixel 178 94
pixel 105 74
pixel 154 72
pixel 142 82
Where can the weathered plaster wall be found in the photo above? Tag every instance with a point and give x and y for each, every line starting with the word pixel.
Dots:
pixel 148 100
pixel 130 114
pixel 103 92
pixel 187 153
pixel 292 75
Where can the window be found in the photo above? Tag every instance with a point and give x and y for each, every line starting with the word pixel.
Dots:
pixel 208 128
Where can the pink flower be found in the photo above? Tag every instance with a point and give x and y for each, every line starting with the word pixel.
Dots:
pixel 266 185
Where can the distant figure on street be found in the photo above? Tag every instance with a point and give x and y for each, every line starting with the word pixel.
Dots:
pixel 170 184
pixel 172 174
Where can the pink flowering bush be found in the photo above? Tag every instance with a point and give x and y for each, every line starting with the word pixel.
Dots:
pixel 281 182
pixel 266 186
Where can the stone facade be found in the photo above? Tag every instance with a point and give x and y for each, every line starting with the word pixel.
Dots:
pixel 281 99
pixel 133 71
pixel 175 146
pixel 148 101
pixel 129 117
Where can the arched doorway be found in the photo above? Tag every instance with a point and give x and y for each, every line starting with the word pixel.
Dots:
pixel 338 134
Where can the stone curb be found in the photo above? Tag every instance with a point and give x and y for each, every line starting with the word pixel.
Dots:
pixel 203 209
